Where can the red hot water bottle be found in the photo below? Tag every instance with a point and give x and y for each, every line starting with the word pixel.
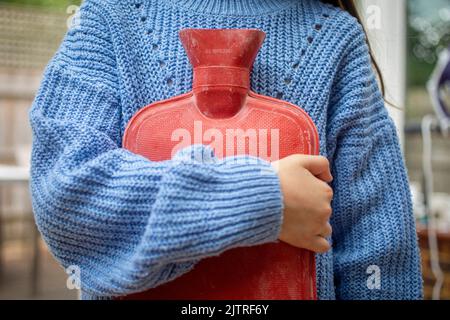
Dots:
pixel 222 111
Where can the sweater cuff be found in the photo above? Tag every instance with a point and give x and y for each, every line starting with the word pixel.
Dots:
pixel 206 206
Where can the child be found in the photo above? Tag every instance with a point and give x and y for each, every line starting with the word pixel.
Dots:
pixel 104 209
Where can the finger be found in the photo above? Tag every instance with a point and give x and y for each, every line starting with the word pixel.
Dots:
pixel 325 190
pixel 318 166
pixel 326 231
pixel 320 245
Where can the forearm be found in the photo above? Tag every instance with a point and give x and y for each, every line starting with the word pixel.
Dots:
pixel 127 222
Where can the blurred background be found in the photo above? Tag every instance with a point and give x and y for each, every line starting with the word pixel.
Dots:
pixel 408 37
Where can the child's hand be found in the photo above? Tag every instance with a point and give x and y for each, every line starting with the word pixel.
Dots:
pixel 307 201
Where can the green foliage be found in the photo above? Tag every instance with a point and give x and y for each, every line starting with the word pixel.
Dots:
pixel 419 70
pixel 428 35
pixel 44 3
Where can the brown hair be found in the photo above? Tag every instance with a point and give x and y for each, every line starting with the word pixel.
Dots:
pixel 349 6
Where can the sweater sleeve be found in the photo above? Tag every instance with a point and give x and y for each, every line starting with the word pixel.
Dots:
pixel 375 246
pixel 128 223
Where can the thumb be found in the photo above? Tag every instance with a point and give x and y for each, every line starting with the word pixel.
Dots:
pixel 319 166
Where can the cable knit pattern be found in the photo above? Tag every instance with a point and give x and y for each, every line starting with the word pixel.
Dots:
pixel 131 224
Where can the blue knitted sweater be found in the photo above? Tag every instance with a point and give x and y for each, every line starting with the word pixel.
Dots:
pixel 130 224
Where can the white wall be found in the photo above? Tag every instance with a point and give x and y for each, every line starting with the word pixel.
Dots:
pixel 385 21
